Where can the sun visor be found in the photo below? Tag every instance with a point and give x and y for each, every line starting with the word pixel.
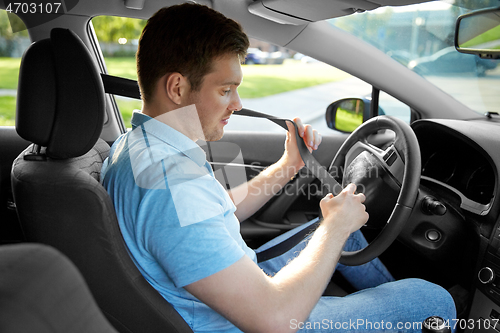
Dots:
pixel 299 12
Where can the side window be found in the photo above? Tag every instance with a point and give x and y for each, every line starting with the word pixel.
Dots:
pixel 12 46
pixel 394 107
pixel 287 84
pixel 118 39
pixel 276 80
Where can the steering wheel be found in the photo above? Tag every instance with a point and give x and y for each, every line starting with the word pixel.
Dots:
pixel 374 171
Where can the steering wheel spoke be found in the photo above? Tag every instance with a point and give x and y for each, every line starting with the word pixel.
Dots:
pixel 390 158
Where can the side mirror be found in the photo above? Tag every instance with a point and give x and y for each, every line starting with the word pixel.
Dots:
pixel 345 115
pixel 479 33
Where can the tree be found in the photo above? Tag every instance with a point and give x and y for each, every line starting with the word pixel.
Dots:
pixel 8 38
pixel 110 28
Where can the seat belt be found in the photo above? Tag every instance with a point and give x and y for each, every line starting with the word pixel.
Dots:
pixel 287 244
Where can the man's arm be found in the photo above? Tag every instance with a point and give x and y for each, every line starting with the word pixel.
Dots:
pixel 270 181
pixel 255 302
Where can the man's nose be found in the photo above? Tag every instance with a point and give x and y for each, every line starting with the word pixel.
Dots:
pixel 236 104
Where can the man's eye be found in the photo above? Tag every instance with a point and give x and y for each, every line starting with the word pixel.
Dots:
pixel 227 91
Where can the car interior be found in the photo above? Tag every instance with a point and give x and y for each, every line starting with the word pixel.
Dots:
pixel 433 200
pixel 42 291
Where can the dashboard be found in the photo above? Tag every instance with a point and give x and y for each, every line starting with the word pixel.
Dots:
pixel 455 161
pixel 460 168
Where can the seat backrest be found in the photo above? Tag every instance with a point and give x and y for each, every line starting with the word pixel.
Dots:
pixel 43 292
pixel 56 187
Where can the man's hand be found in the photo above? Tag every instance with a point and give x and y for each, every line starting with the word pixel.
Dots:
pixel 310 136
pixel 346 210
pixel 263 187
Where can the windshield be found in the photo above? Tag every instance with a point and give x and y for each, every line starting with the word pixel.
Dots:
pixel 421 37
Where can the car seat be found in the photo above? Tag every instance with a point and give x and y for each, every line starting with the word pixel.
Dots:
pixel 55 182
pixel 43 292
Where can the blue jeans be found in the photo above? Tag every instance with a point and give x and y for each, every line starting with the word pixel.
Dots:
pixel 380 305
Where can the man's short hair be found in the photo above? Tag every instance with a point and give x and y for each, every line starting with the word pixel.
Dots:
pixel 185 39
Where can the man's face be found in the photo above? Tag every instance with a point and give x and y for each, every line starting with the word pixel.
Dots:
pixel 218 96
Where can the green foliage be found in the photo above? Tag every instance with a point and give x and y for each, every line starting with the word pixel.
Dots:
pixel 7 110
pixel 122 67
pixel 110 28
pixel 6 33
pixel 126 107
pixel 266 80
pixel 9 72
pixel 6 19
pixel 119 53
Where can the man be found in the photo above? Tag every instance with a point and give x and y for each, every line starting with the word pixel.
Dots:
pixel 181 226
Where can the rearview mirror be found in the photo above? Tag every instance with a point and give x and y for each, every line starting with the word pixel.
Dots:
pixel 345 115
pixel 479 33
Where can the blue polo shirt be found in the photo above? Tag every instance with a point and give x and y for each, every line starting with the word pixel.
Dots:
pixel 177 220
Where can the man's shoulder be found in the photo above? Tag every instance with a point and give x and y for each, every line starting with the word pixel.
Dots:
pixel 155 164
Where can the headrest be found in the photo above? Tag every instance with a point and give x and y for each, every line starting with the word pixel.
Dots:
pixel 60 99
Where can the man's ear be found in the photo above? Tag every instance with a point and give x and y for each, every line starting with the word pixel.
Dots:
pixel 176 87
